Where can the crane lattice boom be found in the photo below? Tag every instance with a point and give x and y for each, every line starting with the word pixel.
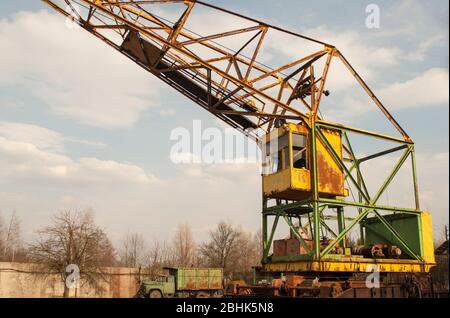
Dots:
pixel 220 71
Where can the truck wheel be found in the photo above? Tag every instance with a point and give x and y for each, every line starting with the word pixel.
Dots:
pixel 217 295
pixel 155 294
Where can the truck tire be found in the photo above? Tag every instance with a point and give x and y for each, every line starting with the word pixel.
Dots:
pixel 217 295
pixel 155 294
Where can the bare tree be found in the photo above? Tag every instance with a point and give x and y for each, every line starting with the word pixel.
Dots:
pixel 132 253
pixel 258 245
pixel 158 257
pixel 245 255
pixel 2 235
pixel 233 249
pixel 11 240
pixel 184 247
pixel 219 251
pixel 73 238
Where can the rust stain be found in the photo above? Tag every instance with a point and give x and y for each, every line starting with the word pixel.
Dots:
pixel 330 175
pixel 330 179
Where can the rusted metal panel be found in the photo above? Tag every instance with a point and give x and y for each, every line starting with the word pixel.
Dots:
pixel 294 280
pixel 133 47
pixel 279 248
pixel 215 279
pixel 330 175
pixel 277 184
pixel 195 279
pixel 301 180
pixel 290 247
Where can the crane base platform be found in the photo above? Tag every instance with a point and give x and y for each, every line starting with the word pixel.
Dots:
pixel 349 266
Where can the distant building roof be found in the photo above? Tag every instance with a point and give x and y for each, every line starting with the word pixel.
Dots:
pixel 443 249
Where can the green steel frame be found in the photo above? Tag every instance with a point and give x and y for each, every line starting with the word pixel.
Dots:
pixel 313 209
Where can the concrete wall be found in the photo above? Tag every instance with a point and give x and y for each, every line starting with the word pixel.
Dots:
pixel 24 280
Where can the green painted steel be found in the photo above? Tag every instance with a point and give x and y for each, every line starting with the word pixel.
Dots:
pixel 341 224
pixel 361 132
pixel 407 226
pixel 341 163
pixel 344 232
pixel 403 244
pixel 415 178
pixel 400 226
pixel 272 234
pixel 292 227
pixel 315 192
pixel 197 279
pixel 368 206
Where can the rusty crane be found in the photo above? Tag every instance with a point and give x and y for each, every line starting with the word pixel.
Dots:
pixel 309 173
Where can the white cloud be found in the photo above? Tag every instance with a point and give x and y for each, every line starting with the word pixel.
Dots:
pixel 90 143
pixel 10 103
pixel 116 170
pixel 414 20
pixel 427 89
pixel 107 90
pixel 433 178
pixel 424 47
pixel 184 158
pixel 366 57
pixel 225 173
pixel 124 196
pixel 281 48
pixel 72 72
pixel 167 112
pixel 25 163
pixel 41 137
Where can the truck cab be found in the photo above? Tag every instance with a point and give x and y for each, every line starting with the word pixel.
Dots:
pixel 163 286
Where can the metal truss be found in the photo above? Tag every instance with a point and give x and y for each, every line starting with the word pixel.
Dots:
pixel 238 89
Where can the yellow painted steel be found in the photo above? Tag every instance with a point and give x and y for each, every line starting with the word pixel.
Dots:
pixel 350 266
pixel 330 175
pixel 277 183
pixel 427 238
pixel 355 264
pixel 301 180
pixel 295 184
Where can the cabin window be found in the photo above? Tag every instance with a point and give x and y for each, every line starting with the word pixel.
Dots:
pixel 278 155
pixel 299 151
pixel 162 279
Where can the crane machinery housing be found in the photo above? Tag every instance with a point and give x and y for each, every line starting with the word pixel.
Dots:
pixel 314 184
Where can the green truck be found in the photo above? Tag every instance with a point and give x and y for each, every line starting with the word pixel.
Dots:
pixel 184 283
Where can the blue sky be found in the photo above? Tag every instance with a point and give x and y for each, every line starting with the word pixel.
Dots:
pixel 116 144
